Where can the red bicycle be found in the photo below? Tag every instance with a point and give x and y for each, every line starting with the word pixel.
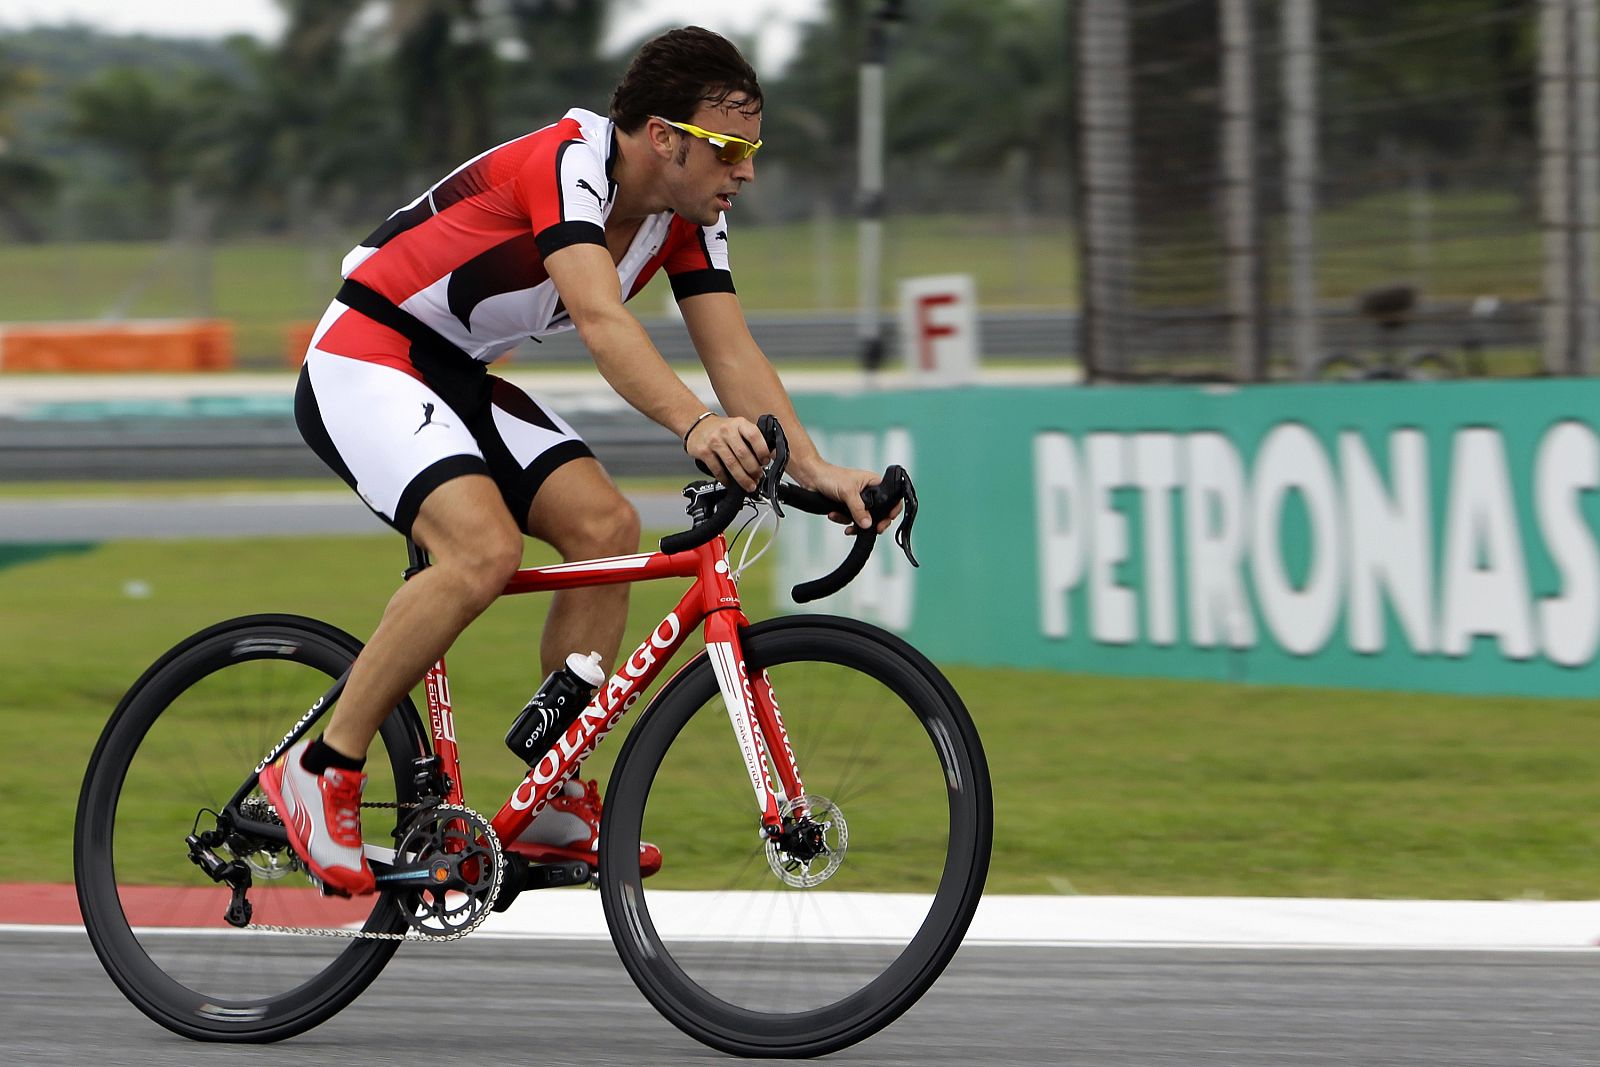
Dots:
pixel 820 870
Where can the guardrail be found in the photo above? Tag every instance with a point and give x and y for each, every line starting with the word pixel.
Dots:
pixel 258 446
pixel 1038 335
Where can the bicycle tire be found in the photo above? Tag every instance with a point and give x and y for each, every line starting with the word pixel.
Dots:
pixel 854 700
pixel 152 917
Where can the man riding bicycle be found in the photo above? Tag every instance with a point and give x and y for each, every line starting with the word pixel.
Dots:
pixel 552 231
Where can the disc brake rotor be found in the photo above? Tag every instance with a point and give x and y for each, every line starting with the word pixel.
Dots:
pixel 812 850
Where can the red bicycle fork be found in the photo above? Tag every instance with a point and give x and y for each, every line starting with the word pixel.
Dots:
pixel 712 600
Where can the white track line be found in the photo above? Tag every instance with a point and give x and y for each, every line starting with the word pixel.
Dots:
pixel 1196 922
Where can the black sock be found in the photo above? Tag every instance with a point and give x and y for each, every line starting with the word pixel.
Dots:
pixel 320 755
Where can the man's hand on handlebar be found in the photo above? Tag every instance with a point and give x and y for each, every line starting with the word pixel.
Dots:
pixel 823 487
pixel 845 484
pixel 732 450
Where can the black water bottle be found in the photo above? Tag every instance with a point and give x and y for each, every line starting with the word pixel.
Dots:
pixel 555 707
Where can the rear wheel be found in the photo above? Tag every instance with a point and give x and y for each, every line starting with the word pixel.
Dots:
pixel 177 748
pixel 799 949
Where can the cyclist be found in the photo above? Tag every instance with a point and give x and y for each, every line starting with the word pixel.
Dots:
pixel 548 232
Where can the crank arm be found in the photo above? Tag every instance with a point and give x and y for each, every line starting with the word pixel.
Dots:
pixel 434 874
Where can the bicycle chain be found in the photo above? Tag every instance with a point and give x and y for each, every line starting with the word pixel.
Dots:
pixel 409 935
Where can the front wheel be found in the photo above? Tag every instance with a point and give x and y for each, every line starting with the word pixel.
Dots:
pixel 747 947
pixel 187 735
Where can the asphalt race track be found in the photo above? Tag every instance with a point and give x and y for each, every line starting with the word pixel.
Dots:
pixel 516 1001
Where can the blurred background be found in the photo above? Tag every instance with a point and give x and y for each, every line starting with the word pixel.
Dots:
pixel 1146 188
pixel 147 175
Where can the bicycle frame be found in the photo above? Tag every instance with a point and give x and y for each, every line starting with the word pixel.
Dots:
pixel 712 601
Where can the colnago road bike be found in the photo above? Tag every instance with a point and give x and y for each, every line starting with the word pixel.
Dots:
pixel 821 866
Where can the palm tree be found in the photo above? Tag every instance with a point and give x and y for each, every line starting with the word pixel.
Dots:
pixel 445 69
pixel 24 181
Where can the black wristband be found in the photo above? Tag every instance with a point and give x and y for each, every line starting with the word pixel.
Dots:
pixel 702 417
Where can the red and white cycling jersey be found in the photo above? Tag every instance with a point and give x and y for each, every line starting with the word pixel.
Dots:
pixel 466 258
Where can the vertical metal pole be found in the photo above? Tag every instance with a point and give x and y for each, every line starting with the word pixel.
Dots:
pixel 1241 222
pixel 1299 37
pixel 869 320
pixel 1586 182
pixel 1555 195
pixel 1105 185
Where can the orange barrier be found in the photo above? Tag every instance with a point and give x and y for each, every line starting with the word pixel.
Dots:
pixel 196 345
pixel 297 340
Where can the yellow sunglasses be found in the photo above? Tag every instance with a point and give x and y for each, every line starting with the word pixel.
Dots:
pixel 729 149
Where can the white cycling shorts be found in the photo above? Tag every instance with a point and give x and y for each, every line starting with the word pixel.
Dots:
pixel 394 439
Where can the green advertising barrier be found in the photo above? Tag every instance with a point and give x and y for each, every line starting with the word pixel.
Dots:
pixel 1430 536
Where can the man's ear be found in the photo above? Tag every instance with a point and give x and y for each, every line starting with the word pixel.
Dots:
pixel 661 137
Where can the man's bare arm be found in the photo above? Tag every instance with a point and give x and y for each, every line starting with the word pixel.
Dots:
pixel 748 386
pixel 586 278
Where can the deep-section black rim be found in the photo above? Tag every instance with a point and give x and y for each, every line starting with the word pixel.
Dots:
pixel 659 965
pixel 233 1003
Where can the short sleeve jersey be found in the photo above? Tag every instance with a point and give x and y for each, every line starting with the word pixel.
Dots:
pixel 467 257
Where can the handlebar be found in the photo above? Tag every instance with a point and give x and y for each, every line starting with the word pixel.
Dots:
pixel 713 507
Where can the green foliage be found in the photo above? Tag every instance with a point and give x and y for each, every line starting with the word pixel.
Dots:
pixel 1453 76
pixel 138 117
pixel 558 64
pixel 970 89
pixel 24 179
pixel 61 58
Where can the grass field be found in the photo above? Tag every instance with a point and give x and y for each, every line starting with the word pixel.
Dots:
pixel 1102 785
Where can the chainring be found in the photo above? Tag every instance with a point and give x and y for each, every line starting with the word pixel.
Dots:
pixel 466 865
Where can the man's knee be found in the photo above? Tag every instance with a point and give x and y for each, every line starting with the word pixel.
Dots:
pixel 482 569
pixel 501 558
pixel 472 536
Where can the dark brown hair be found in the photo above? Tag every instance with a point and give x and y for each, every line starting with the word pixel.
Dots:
pixel 676 72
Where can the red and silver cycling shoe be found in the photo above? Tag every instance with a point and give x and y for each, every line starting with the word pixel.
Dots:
pixel 322 813
pixel 569 829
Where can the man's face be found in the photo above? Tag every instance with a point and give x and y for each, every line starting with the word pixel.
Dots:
pixel 703 185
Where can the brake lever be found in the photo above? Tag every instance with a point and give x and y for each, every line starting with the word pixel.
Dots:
pixel 902 534
pixel 772 474
pixel 778 444
pixel 896 485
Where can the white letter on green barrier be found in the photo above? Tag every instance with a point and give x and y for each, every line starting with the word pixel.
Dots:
pixel 1568 464
pixel 1213 518
pixel 1155 472
pixel 1059 512
pixel 1291 459
pixel 1484 585
pixel 1111 606
pixel 1389 539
